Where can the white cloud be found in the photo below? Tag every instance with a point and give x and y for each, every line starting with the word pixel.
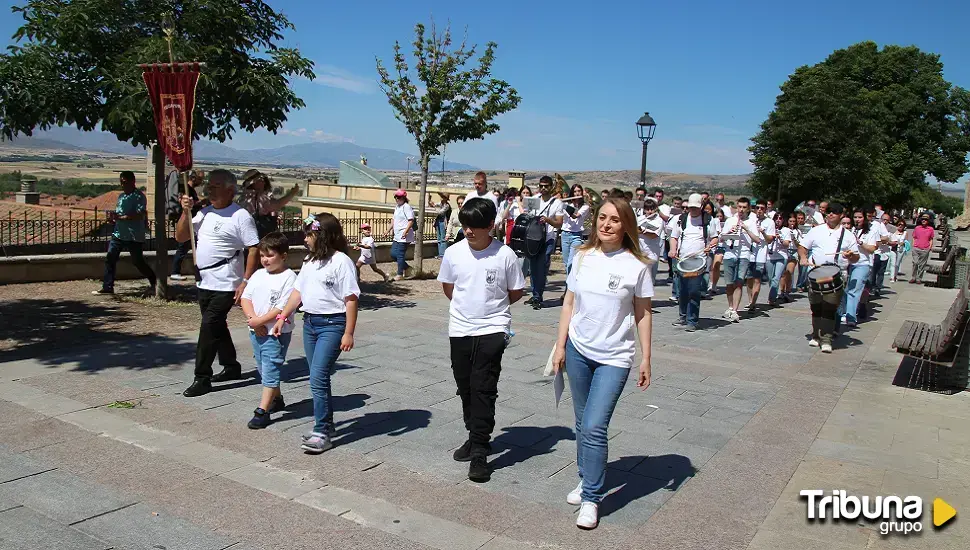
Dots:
pixel 316 135
pixel 335 77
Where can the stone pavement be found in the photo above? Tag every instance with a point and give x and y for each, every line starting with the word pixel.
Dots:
pixel 738 419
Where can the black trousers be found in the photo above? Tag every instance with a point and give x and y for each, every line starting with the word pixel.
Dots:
pixel 825 310
pixel 214 336
pixel 477 363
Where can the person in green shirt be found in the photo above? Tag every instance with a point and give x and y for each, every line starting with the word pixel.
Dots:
pixel 129 234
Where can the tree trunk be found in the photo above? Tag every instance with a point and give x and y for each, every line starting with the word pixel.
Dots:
pixel 161 235
pixel 419 219
pixel 966 199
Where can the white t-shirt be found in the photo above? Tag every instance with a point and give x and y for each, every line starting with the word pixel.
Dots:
pixel 780 251
pixel 759 251
pixel 367 250
pixel 488 195
pixel 821 242
pixel 818 218
pixel 324 286
pixel 881 231
pixel 899 239
pixel 268 291
pixel 669 227
pixel 222 233
pixel 740 247
pixel 868 239
pixel 690 240
pixel 482 279
pixel 555 209
pixel 727 211
pixel 651 244
pixel 575 225
pixel 402 214
pixel 603 327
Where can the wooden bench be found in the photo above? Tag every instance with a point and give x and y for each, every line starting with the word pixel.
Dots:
pixel 944 269
pixel 932 351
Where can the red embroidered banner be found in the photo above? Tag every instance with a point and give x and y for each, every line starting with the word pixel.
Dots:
pixel 172 92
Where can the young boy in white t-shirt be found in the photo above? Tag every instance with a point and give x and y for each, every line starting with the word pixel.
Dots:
pixel 482 278
pixel 262 302
pixel 367 254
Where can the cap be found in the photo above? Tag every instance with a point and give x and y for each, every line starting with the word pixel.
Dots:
pixel 400 193
pixel 250 174
pixel 365 225
pixel 695 201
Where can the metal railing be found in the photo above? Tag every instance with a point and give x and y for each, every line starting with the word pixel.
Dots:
pixel 89 231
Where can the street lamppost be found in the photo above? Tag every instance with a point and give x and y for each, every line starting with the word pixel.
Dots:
pixel 407 173
pixel 781 165
pixel 645 129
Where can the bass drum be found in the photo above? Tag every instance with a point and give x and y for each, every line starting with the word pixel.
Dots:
pixel 519 241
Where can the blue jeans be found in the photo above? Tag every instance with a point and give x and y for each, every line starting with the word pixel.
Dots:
pixel 321 344
pixel 691 291
pixel 877 275
pixel 595 389
pixel 270 352
pixel 776 268
pixel 115 247
pixel 399 253
pixel 570 242
pixel 858 275
pixel 539 267
pixel 442 241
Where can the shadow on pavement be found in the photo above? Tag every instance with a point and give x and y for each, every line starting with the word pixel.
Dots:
pixel 341 403
pixel 393 423
pixel 666 472
pixel 525 442
pixel 55 332
pixel 384 295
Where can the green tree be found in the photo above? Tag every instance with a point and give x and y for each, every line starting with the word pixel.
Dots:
pixel 455 104
pixel 75 63
pixel 865 125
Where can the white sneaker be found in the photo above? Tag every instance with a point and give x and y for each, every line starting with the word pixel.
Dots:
pixel 843 320
pixel 813 343
pixel 826 348
pixel 575 497
pixel 728 314
pixel 735 318
pixel 177 277
pixel 588 516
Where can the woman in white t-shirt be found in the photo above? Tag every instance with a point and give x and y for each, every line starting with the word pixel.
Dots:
pixel 897 244
pixel 573 219
pixel 778 259
pixel 403 228
pixel 607 304
pixel 858 272
pixel 327 287
pixel 794 235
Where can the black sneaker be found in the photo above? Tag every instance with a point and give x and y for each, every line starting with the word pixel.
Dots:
pixel 537 304
pixel 199 387
pixel 278 405
pixel 260 420
pixel 530 301
pixel 463 453
pixel 478 470
pixel 227 375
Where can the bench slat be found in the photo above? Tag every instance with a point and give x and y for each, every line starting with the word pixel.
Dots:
pixel 904 336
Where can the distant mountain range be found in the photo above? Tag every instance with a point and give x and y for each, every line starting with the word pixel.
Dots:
pixel 314 153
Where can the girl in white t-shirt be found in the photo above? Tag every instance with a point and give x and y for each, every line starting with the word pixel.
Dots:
pixel 858 271
pixel 897 245
pixel 367 254
pixel 263 302
pixel 778 259
pixel 327 287
pixel 794 236
pixel 607 305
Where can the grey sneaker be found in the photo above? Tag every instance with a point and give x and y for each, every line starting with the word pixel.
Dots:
pixel 317 443
pixel 331 433
pixel 177 277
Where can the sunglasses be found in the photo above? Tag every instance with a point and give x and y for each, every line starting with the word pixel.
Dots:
pixel 811 205
pixel 759 207
pixel 545 186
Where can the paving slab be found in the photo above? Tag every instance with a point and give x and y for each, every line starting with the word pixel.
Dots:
pixel 62 497
pixel 142 526
pixel 24 529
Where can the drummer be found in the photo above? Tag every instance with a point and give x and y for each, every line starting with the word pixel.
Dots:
pixel 692 237
pixel 826 245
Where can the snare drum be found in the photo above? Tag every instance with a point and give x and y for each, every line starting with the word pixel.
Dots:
pixel 825 279
pixel 693 266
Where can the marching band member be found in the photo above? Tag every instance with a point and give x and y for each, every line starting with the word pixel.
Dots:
pixel 693 236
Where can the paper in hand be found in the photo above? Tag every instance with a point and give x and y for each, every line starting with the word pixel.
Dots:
pixel 559 384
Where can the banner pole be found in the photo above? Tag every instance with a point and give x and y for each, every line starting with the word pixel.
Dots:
pixel 185 186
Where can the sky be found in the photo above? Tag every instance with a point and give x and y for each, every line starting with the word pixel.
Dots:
pixel 708 71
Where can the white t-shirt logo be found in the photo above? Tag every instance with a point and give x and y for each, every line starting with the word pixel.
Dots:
pixel 274 297
pixel 330 281
pixel 216 227
pixel 490 276
pixel 614 281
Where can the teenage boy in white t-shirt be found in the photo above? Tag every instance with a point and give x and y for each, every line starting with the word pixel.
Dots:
pixel 263 302
pixel 482 278
pixel 737 235
pixel 759 253
pixel 878 271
